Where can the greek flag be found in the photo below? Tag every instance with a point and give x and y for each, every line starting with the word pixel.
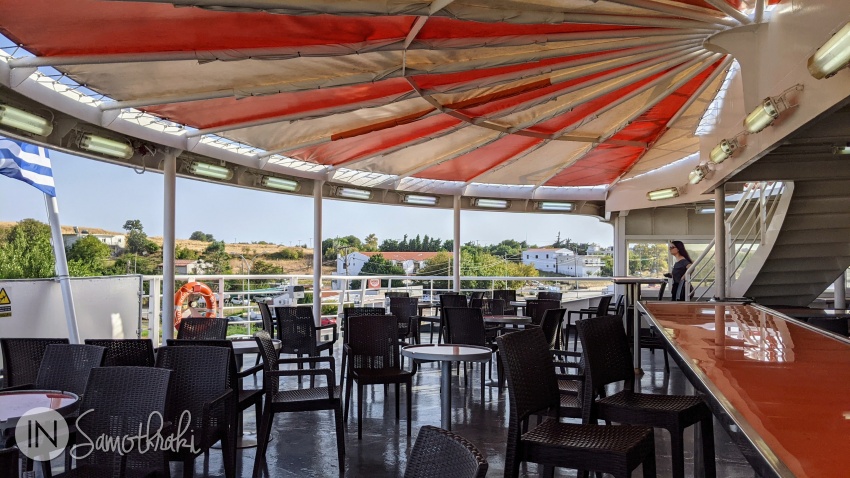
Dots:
pixel 28 163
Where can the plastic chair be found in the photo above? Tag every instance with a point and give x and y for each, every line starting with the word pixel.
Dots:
pixel 465 326
pixel 550 296
pixel 405 310
pixel 439 453
pixel 9 462
pixel 507 296
pixel 22 357
pixel 125 352
pixel 600 310
pixel 200 328
pixel 535 308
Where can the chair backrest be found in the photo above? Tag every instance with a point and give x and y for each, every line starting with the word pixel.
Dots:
pixel 22 357
pixel 265 345
pixel 125 352
pixel 200 375
pixel 605 352
pixel 392 294
pixel 494 307
pixel 66 367
pixel 551 325
pixel 477 303
pixel 535 308
pixel 266 314
pixel 373 343
pixel 9 462
pixel 439 453
pixel 532 383
pixel 201 328
pixel 123 400
pixel 453 300
pixel 550 295
pixel 508 295
pixel 620 305
pixel 603 305
pixel 233 380
pixel 296 329
pixel 403 308
pixel 661 290
pixel 476 295
pixel 464 325
pixel 350 312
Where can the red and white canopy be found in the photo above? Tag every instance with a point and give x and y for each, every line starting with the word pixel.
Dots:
pixel 514 92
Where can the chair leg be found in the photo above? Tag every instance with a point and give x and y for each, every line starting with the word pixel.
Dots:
pixel 707 430
pixel 397 392
pixel 359 411
pixel 340 439
pixel 189 467
pixel 666 362
pixel 263 441
pixel 677 449
pixel 649 465
pixel 482 382
pixel 409 388
pixel 348 385
pixel 228 454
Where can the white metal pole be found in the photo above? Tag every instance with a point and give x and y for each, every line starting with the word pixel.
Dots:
pixel 720 242
pixel 169 188
pixel 456 251
pixel 62 273
pixel 841 291
pixel 317 252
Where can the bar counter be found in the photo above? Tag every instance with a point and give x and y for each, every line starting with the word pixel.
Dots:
pixel 779 386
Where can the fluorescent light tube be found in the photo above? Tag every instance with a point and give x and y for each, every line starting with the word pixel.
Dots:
pixel 555 206
pixel 108 147
pixel 280 183
pixel 210 170
pixel 833 56
pixel 492 203
pixel 352 193
pixel 696 175
pixel 666 193
pixel 420 200
pixel 723 151
pixel 24 121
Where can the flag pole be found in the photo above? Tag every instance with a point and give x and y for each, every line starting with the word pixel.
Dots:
pixel 62 273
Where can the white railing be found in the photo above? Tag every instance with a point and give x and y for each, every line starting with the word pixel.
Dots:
pixel 248 288
pixel 745 229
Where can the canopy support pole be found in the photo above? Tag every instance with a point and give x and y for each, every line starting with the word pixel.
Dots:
pixel 456 244
pixel 317 252
pixel 169 170
pixel 720 242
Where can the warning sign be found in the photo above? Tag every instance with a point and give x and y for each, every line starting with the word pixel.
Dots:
pixel 5 304
pixel 374 283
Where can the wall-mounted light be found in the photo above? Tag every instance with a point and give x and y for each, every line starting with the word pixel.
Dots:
pixel 666 193
pixel 210 170
pixel 769 109
pixel 106 146
pixel 833 56
pixel 841 149
pixel 418 200
pixel 698 174
pixel 20 119
pixel 711 209
pixel 555 206
pixel 491 203
pixel 352 193
pixel 723 151
pixel 280 183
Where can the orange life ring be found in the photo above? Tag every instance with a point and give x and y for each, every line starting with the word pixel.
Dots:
pixel 194 288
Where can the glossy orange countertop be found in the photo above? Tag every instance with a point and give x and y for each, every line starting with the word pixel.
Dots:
pixel 786 385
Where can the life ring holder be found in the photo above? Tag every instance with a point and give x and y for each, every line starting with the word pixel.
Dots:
pixel 194 288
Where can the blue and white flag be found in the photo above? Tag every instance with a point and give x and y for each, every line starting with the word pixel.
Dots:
pixel 28 163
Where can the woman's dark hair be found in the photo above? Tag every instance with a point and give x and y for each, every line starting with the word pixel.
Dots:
pixel 681 248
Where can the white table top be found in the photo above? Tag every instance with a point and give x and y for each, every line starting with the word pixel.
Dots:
pixel 448 352
pixel 507 319
pixel 243 346
pixel 14 404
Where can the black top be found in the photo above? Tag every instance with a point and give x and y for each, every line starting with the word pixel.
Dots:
pixel 679 269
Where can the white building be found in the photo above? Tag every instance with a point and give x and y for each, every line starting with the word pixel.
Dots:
pixel 595 250
pixel 115 241
pixel 582 266
pixel 189 266
pixel 547 259
pixel 409 261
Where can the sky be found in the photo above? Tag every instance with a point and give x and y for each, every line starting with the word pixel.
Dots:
pixel 103 195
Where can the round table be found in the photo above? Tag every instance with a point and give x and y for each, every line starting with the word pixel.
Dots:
pixel 249 346
pixel 507 319
pixel 16 403
pixel 446 354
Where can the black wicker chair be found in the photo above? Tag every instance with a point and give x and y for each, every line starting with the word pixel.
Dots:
pixel 67 367
pixel 22 357
pixel 607 359
pixel 125 398
pixel 533 390
pixel 551 325
pixel 297 399
pixel 348 313
pixel 550 296
pixel 440 453
pixel 507 296
pixel 125 352
pixel 405 309
pixel 299 334
pixel 649 338
pixel 448 300
pixel 373 355
pixel 535 308
pixel 200 385
pixel 396 294
pixel 465 326
pixel 245 398
pixel 9 463
pixel 266 315
pixel 493 307
pixel 200 328
pixel 600 310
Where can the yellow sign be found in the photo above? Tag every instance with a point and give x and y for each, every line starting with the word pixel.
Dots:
pixel 4 297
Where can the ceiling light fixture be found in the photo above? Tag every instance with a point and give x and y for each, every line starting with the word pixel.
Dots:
pixel 698 174
pixel 769 109
pixel 724 150
pixel 280 183
pixel 210 170
pixel 711 209
pixel 491 203
pixel 352 193
pixel 833 56
pixel 666 193
pixel 841 149
pixel 555 206
pixel 108 147
pixel 418 200
pixel 20 119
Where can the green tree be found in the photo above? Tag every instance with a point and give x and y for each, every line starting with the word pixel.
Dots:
pixel 87 257
pixel 185 253
pixel 370 244
pixel 137 240
pixel 217 258
pixel 261 267
pixel 201 236
pixel 132 225
pixel 27 253
pixel 607 269
pixel 378 265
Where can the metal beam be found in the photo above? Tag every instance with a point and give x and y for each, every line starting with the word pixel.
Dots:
pixel 719 243
pixel 730 10
pixel 720 70
pixel 456 244
pixel 317 252
pixel 169 176
pixel 758 15
pixel 677 11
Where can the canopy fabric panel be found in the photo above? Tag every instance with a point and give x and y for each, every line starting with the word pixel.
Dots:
pixel 537 93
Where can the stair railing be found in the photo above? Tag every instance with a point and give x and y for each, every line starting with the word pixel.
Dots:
pixel 745 230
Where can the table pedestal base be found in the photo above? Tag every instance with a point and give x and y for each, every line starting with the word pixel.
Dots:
pixel 446 394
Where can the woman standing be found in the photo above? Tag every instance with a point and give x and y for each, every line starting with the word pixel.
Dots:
pixel 683 261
